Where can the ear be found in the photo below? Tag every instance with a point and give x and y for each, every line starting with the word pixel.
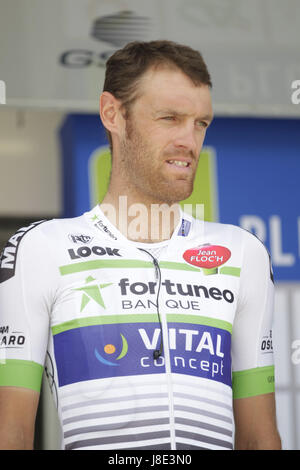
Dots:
pixel 110 113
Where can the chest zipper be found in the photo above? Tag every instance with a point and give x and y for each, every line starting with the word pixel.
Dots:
pixel 158 352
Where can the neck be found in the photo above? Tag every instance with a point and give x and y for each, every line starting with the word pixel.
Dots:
pixel 145 222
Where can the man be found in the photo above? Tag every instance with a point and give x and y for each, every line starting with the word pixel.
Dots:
pixel 149 330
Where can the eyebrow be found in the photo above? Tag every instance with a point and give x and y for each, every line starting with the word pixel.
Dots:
pixel 206 117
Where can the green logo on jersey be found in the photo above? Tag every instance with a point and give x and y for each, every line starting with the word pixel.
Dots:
pixel 92 292
pixel 205 185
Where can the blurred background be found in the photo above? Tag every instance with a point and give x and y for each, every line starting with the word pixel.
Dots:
pixel 54 158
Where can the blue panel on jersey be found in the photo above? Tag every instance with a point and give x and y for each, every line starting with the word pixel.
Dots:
pixel 200 351
pixel 102 351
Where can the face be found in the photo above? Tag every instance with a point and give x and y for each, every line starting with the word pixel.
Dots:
pixel 163 137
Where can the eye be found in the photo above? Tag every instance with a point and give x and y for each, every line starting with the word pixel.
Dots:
pixel 169 118
pixel 202 124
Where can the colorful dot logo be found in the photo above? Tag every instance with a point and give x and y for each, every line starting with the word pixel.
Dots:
pixel 111 349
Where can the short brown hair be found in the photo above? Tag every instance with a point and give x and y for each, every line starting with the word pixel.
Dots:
pixel 126 66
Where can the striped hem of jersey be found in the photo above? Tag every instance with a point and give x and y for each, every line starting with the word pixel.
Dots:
pixel 137 318
pixel 133 263
pixel 124 441
pixel 21 373
pixel 252 382
pixel 141 420
pixel 193 440
pixel 180 396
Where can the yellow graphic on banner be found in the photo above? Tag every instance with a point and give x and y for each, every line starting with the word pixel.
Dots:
pixel 205 185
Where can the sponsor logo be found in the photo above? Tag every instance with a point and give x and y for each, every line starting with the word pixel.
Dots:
pixel 13 339
pixel 193 340
pixel 92 292
pixel 110 350
pixel 172 288
pixel 184 228
pixel 267 344
pixel 101 226
pixel 116 30
pixel 85 252
pixel 80 238
pixel 207 256
pixel 193 352
pixel 8 256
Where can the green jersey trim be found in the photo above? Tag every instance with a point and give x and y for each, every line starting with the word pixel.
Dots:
pixel 251 382
pixel 108 263
pixel 21 373
pixel 132 263
pixel 147 318
pixel 230 270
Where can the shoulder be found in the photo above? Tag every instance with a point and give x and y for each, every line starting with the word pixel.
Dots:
pixel 237 234
pixel 255 255
pixel 39 230
pixel 218 230
pixel 29 244
pixel 251 249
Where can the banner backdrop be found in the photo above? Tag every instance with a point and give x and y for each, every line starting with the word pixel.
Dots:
pixel 53 53
pixel 248 175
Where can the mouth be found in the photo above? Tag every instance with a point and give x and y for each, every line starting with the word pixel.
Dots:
pixel 180 166
pixel 179 163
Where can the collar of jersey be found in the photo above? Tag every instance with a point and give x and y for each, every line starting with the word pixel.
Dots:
pixel 100 223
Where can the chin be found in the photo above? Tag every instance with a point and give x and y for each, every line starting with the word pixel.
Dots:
pixel 175 195
pixel 182 193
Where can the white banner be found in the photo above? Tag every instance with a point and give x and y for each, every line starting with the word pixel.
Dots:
pixel 53 53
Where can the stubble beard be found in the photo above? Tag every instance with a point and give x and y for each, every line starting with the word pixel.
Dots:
pixel 144 173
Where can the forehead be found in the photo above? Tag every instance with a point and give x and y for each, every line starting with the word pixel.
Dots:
pixel 170 87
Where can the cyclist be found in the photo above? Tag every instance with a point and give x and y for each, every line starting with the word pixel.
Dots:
pixel 152 327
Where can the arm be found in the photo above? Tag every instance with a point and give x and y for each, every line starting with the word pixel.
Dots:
pixel 18 407
pixel 252 353
pixel 24 328
pixel 255 423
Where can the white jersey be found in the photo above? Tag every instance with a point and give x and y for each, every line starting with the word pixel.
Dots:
pixel 76 295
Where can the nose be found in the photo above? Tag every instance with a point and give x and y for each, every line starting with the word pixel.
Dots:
pixel 188 139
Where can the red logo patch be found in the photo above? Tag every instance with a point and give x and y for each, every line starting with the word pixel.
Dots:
pixel 207 256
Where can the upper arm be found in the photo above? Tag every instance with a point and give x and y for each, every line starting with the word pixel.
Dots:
pixel 18 407
pixel 24 330
pixel 252 342
pixel 255 423
pixel 24 318
pixel 252 350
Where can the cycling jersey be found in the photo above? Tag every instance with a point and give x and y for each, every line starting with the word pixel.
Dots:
pixel 95 306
